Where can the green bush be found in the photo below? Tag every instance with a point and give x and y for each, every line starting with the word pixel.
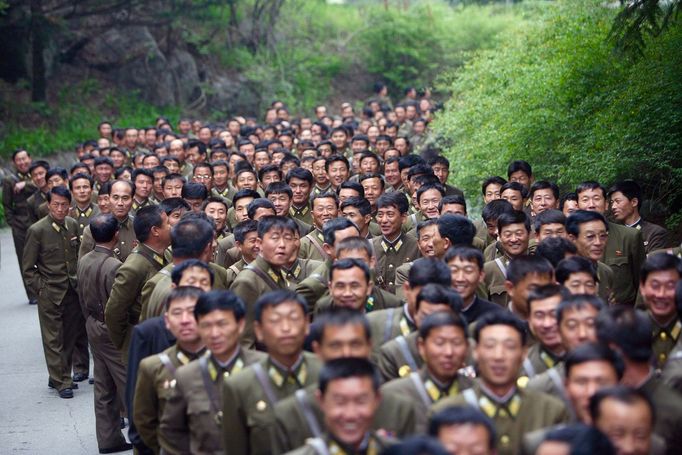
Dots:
pixel 555 93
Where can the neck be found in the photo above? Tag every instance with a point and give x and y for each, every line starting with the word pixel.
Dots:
pixel 393 237
pixel 558 350
pixel 632 218
pixel 83 206
pixel 286 360
pixel 498 390
pixel 635 373
pixel 365 231
pixel 156 246
pixel 467 302
pixel 661 321
pixel 520 312
pixel 191 346
pixel 443 380
pixel 227 355
pixel 109 246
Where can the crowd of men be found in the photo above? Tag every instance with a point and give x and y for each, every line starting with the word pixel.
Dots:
pixel 314 285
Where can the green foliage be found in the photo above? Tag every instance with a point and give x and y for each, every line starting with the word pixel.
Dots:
pixel 73 117
pixel 555 94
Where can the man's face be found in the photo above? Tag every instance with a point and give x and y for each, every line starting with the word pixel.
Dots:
pixel 543 322
pixel 301 191
pixel 444 351
pixel 369 165
pixel 204 135
pixel 282 202
pixel 320 173
pixel 180 320
pixel 373 189
pixel 428 203
pixel 349 405
pixel 392 174
pixel 465 439
pixel 354 215
pixel 514 239
pixel 143 186
pixel 176 149
pixel 103 203
pixel 551 230
pixel 82 191
pixel 347 193
pixel 513 197
pixel 120 199
pixel 220 176
pixel 103 173
pixel 578 326
pixel 175 215
pixel 581 283
pixel 622 208
pixel 172 166
pixel 204 176
pixel 591 240
pixel 58 207
pixel 220 331
pixel 658 291
pixel 569 207
pixel 543 200
pixel 492 192
pixel 105 130
pixel 592 200
pixel 247 180
pixel 339 139
pixel 119 159
pixel 453 209
pixel 150 137
pixel 430 242
pixel 131 138
pixel 442 172
pixel 270 177
pixel 250 247
pixel 282 328
pixel 521 177
pixel 185 126
pixel 275 246
pixel 55 181
pixel 390 221
pixel 194 204
pixel 158 182
pixel 323 210
pixel 338 173
pixel 499 354
pixel 337 341
pixel 38 177
pixel 240 208
pixel 466 276
pixel 350 289
pixel 627 425
pixel 197 277
pixel 518 294
pixel 584 380
pixel 261 158
pixel 172 188
pixel 218 212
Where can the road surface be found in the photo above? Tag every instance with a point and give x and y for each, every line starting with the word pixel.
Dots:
pixel 33 419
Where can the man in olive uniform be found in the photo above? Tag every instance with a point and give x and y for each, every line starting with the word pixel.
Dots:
pixel 336 333
pixel 549 350
pixel 401 356
pixel 301 183
pixel 16 189
pixel 276 238
pixel 83 209
pixel 156 373
pixel 38 172
pixel 624 251
pixel 49 268
pixel 500 340
pixel 443 345
pixel 393 248
pixel 324 209
pixel 348 380
pixel 98 269
pixel 191 421
pixel 245 238
pixel 280 194
pixel 249 397
pixel 120 202
pixel 37 203
pixel 124 306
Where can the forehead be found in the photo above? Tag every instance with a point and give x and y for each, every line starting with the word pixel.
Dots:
pixel 663 275
pixel 285 307
pixel 215 206
pixel 182 302
pixel 57 198
pixel 121 188
pixel 193 272
pixel 457 260
pixel 324 201
pixel 354 272
pixel 596 225
pixel 534 278
pixel 583 312
pixel 592 368
pixel 500 331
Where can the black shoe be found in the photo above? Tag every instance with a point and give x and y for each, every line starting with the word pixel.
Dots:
pixel 121 448
pixel 33 302
pixel 91 380
pixel 66 393
pixel 80 377
pixel 50 384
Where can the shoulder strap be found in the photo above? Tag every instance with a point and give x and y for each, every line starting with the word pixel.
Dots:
pixel 208 384
pixel 166 361
pixel 99 288
pixel 318 445
pixel 419 385
pixel 405 351
pixel 268 279
pixel 265 383
pixel 389 324
pixel 310 419
pixel 234 268
pixel 316 243
pixel 558 383
pixel 470 397
pixel 501 266
pixel 528 366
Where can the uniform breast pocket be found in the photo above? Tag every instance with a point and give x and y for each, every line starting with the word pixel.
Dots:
pixel 259 423
pixel 498 295
pixel 618 263
pixel 205 424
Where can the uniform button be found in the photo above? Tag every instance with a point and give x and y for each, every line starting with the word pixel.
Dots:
pixel 662 358
pixel 390 266
pixel 504 440
pixel 663 336
pixel 390 283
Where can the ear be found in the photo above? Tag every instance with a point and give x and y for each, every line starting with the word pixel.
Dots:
pixel 509 287
pixel 481 277
pixel 328 249
pixel 370 288
pixel 634 202
pixel 572 238
pixel 318 397
pixel 448 243
pixel 258 331
pixel 240 326
pixel 165 320
pixel 420 347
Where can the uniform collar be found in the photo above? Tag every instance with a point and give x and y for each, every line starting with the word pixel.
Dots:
pixel 294 271
pixel 302 211
pixel 394 246
pixel 669 331
pixel 56 225
pixel 297 374
pixel 436 389
pixel 406 323
pixel 83 213
pixel 159 258
pixel 368 446
pixel 272 272
pixel 636 224
pixel 494 406
pixel 234 365
pixel 103 249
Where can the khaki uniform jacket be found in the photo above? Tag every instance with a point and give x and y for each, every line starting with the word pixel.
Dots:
pixel 124 305
pixel 304 214
pixel 227 253
pixel 83 217
pixel 315 286
pixel 495 276
pixel 537 361
pixel 389 324
pixel 300 270
pixel 192 417
pixel 655 236
pixel 37 206
pixel 50 258
pixel 529 411
pixel 482 233
pixel 664 340
pixel 248 412
pixel 153 387
pixel 422 392
pixel 126 240
pixel 292 426
pixel 378 300
pixel 390 256
pixel 551 382
pixel 672 371
pixel 311 246
pixel 605 285
pixel 376 444
pixel 15 204
pixel 97 271
pixel 399 357
pixel 625 255
pixel 255 280
pixel 234 270
pixel 668 407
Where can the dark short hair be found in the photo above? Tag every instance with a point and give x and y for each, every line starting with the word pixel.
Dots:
pixel 338 317
pixel 458 229
pixel 590 185
pixel 279 188
pixel 495 179
pixel 194 190
pixel 544 292
pixel 244 228
pixel 60 171
pixel 190 236
pixel 441 319
pixel 171 204
pixel 494 209
pixel 515 217
pixel 274 222
pixel 395 199
pixel 332 226
pixel 347 264
pixel 429 270
pixel 325 195
pixel 629 188
pixel 523 266
pixel 578 302
pixel 544 185
pixel 145 219
pixel 259 203
pixel 39 163
pixel 579 217
pixel 352 186
pixel 360 203
pixel 141 171
pixel 567 197
pixel 346 368
pixel 629 329
pixel 103 227
pixel 519 165
pixel 301 174
pixel 574 264
pixel 551 216
pixel 220 300
pixel 439 294
pixel 424 188
pixel 355 243
pixel 582 439
pixel 594 352
pixel 555 249
pixel 274 298
pixel 180 293
pixel 244 193
pixel 660 262
pixel 453 199
pixel 179 270
pixel 500 318
pixel 515 186
pixel 622 394
pixel 465 253
pixel 418 444
pixel 462 415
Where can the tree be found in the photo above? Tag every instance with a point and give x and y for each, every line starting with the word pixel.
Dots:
pixel 639 18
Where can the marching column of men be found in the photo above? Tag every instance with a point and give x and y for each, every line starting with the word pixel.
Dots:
pixel 307 286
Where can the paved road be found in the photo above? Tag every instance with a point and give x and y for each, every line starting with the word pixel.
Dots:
pixel 33 419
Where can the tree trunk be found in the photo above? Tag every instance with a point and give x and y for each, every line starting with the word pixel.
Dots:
pixel 39 82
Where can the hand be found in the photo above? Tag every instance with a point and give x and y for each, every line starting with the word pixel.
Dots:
pixel 19 186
